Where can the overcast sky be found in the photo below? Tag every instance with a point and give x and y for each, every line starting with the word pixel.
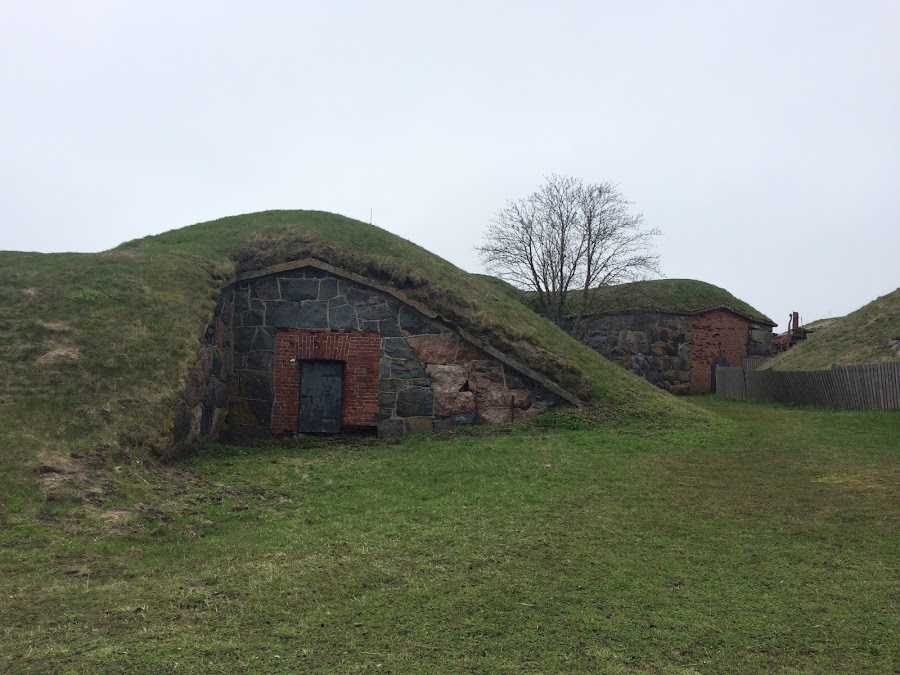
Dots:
pixel 761 137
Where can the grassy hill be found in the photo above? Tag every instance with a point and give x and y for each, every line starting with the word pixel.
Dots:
pixel 94 348
pixel 678 296
pixel 648 535
pixel 860 337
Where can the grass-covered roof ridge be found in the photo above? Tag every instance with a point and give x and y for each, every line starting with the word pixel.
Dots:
pixel 863 336
pixel 673 296
pixel 478 304
pixel 95 348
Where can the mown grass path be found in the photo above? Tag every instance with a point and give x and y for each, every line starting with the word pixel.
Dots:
pixel 766 544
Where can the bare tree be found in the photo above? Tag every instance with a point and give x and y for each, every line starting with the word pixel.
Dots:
pixel 565 240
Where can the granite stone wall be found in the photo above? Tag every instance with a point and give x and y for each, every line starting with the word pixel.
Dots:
pixel 428 376
pixel 654 346
pixel 201 410
pixel 760 341
pixel 674 351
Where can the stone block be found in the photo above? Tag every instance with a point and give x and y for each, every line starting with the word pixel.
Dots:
pixel 419 425
pixel 434 349
pixel 261 411
pixel 264 341
pixel 308 314
pixel 387 400
pixel 282 314
pixel 251 318
pixel 633 341
pixel 396 347
pixel 391 428
pixel 376 312
pixel 452 377
pixel 448 422
pixel 342 316
pixel 486 376
pixel 450 403
pixel 260 361
pixel 328 288
pixel 494 415
pixel 415 402
pixel 468 352
pixel 243 339
pixel 515 380
pixel 206 421
pixel 359 297
pixel 265 288
pixel 241 301
pixel 196 419
pixel 298 290
pixel 509 398
pixel 220 394
pixel 414 323
pixel 389 328
pixel 256 385
pixel 182 425
pixel 406 369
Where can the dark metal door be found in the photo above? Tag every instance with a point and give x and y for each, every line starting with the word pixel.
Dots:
pixel 720 361
pixel 321 383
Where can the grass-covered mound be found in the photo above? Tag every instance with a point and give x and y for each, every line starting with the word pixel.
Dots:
pixel 94 348
pixel 675 296
pixel 480 305
pixel 863 336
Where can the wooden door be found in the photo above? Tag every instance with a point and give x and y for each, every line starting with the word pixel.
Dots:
pixel 321 383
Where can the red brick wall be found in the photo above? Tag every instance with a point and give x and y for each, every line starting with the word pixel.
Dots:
pixel 714 334
pixel 359 350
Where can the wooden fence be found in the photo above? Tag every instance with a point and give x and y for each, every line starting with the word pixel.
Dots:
pixel 865 387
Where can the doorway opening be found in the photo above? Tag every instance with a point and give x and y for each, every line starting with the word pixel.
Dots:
pixel 321 391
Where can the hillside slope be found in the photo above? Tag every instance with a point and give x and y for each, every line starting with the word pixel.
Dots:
pixel 677 296
pixel 864 336
pixel 95 348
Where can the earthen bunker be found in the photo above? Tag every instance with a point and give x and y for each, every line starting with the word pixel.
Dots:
pixel 308 347
pixel 679 351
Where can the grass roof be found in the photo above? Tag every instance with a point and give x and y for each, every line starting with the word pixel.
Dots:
pixel 95 347
pixel 675 296
pixel 863 336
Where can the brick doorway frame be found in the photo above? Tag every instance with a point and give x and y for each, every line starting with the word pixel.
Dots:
pixel 359 350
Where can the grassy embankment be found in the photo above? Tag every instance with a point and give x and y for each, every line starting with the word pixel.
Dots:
pixel 763 545
pixel 94 348
pixel 862 336
pixel 678 296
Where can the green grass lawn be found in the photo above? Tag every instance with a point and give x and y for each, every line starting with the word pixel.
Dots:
pixel 767 543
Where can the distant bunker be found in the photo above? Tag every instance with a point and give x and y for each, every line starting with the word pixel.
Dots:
pixel 679 351
pixel 305 347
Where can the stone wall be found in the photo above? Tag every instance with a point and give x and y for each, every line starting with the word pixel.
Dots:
pixel 201 410
pixel 760 341
pixel 655 346
pixel 428 376
pixel 675 351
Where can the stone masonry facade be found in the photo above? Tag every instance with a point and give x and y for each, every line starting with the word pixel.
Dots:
pixel 675 351
pixel 405 370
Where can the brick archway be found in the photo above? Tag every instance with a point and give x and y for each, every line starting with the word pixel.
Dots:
pixel 359 350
